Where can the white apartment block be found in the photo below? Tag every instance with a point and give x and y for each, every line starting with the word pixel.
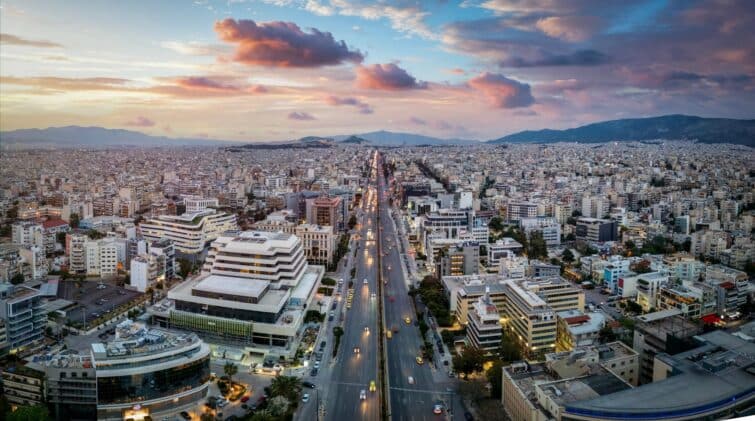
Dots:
pixel 198 204
pixel 191 231
pixel 27 233
pixel 101 257
pixel 484 328
pixel 548 226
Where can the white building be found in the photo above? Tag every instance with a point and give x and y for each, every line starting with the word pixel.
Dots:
pixel 190 232
pixel 254 290
pixel 501 249
pixel 101 257
pixel 146 270
pixel 27 233
pixel 484 329
pixel 196 204
pixel 547 226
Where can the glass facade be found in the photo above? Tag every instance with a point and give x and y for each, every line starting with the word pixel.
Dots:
pixel 153 385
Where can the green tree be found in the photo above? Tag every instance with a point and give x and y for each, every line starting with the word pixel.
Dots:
pixel 29 413
pixel 606 334
pixel 352 221
pixel 537 249
pixel 12 212
pixel 495 224
pixel 74 220
pixel 287 386
pixel 230 369
pixel 469 360
pixel 567 256
pixel 17 279
pixel 495 377
pixel 509 350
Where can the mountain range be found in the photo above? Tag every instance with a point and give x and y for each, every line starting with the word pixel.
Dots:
pixel 672 127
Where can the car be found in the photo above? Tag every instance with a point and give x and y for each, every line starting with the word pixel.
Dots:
pixel 330 318
pixel 388 334
pixel 332 313
pixel 244 398
pixel 367 330
pixel 305 398
pixel 308 385
pixel 372 386
pixel 357 350
pixel 373 295
pixel 437 408
pixel 419 360
pixel 185 415
pixel 451 374
pixel 365 279
pixel 411 380
pixel 362 395
pixel 407 320
pixel 317 365
pixel 222 403
pixel 313 373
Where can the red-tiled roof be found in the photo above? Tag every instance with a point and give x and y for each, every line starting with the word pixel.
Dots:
pixel 577 319
pixel 728 285
pixel 710 319
pixel 52 223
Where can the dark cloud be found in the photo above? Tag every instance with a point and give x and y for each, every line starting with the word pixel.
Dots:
pixel 140 121
pixel 418 121
pixel 300 116
pixel 8 39
pixel 503 92
pixel 363 107
pixel 201 83
pixel 387 77
pixel 577 58
pixel 283 44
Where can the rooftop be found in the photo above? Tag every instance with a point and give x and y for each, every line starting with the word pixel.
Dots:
pixel 232 286
pixel 134 339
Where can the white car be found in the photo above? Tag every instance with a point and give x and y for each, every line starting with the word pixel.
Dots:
pixel 363 395
pixel 411 380
pixel 305 398
pixel 365 280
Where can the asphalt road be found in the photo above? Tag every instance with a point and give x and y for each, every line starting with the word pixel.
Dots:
pixel 407 401
pixel 352 372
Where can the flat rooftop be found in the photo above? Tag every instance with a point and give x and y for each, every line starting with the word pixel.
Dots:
pixel 134 339
pixel 232 286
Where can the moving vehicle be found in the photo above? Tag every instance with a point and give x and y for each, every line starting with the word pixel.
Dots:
pixel 365 281
pixel 305 398
pixel 185 415
pixel 411 380
pixel 420 361
pixel 244 398
pixel 407 320
pixel 357 350
pixel 363 395
pixel 308 384
pixel 388 334
pixel 367 330
pixel 372 386
pixel 437 408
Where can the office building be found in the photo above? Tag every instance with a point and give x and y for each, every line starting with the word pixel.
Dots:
pixel 597 230
pixel 663 331
pixel 252 293
pixel 325 210
pixel 149 372
pixel 578 329
pixel 70 385
pixel 189 232
pixel 484 327
pixel 461 258
pixel 25 319
pixel 318 241
pixel 548 227
pixel 196 204
pixel 500 249
pixel 23 386
pixel 516 211
pixel 147 270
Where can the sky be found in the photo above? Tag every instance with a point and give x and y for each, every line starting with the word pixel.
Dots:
pixel 282 69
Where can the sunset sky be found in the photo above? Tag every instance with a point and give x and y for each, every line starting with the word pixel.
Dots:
pixel 281 69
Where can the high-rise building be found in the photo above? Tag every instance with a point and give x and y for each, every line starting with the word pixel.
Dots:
pixel 21 309
pixel 484 328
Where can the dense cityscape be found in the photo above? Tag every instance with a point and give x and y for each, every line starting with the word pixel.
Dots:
pixel 394 210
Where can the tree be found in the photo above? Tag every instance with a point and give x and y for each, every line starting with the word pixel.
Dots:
pixel 643 266
pixel 495 377
pixel 287 386
pixel 230 369
pixel 469 360
pixel 537 247
pixel 74 220
pixel 567 256
pixel 509 350
pixel 17 279
pixel 12 212
pixel 278 406
pixel 352 221
pixel 29 413
pixel 184 267
pixel 495 224
pixel 606 334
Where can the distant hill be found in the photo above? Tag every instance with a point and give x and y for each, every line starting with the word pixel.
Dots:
pixel 356 140
pixel 92 137
pixel 385 138
pixel 670 127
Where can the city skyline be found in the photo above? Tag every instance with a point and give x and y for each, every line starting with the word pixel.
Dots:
pixel 279 69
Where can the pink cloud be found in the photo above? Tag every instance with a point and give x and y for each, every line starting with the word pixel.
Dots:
pixel 283 44
pixel 204 83
pixel 9 39
pixel 501 91
pixel 140 121
pixel 570 28
pixel 418 121
pixel 387 77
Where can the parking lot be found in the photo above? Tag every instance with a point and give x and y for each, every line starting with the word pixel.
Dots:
pixel 94 299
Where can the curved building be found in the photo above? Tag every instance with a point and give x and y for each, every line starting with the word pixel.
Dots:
pixel 190 231
pixel 149 373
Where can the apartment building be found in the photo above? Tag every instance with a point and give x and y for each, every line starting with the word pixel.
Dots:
pixel 76 252
pixel 101 257
pixel 516 211
pixel 663 331
pixel 681 298
pixel 23 386
pixel 196 204
pixel 576 329
pixel 189 232
pixel 70 385
pixel 27 233
pixel 459 258
pixel 21 310
pixel 318 241
pixel 627 286
pixel 501 249
pixel 325 210
pixel 147 270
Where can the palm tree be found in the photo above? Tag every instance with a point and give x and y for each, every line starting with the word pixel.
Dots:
pixel 230 370
pixel 286 386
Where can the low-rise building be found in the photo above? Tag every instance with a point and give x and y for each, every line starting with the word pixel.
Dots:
pixel 664 331
pixel 23 385
pixel 578 329
pixel 484 328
